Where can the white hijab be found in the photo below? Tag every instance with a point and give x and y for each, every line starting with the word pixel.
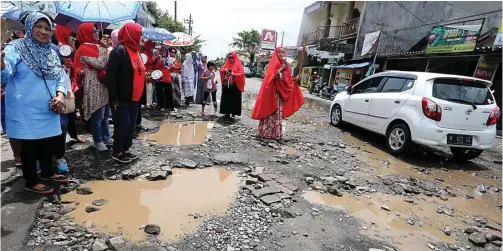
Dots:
pixel 188 67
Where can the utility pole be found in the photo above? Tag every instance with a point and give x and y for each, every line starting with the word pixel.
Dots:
pixel 175 11
pixel 282 36
pixel 301 61
pixel 328 22
pixel 189 22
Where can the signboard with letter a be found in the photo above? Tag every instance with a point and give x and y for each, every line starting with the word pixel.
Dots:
pixel 269 38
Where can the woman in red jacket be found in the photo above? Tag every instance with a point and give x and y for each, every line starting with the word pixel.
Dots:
pixel 279 97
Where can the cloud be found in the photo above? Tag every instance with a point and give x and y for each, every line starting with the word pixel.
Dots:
pixel 219 21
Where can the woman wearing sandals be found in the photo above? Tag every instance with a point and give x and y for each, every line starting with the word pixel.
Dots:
pixel 35 96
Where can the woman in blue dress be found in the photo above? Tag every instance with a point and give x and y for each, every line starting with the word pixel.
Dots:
pixel 34 97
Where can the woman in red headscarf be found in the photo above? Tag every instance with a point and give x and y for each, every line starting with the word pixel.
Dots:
pixel 279 97
pixel 233 84
pixel 148 48
pixel 63 35
pixel 125 78
pixel 90 62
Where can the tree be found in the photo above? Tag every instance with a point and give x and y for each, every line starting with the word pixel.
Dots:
pixel 248 41
pixel 153 9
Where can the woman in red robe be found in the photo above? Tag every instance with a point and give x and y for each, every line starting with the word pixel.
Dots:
pixel 232 75
pixel 279 97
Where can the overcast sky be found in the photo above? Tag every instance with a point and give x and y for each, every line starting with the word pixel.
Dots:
pixel 219 21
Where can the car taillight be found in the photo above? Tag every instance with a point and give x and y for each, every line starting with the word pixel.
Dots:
pixel 431 110
pixel 493 116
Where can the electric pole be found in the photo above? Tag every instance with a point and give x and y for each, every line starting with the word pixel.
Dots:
pixel 175 11
pixel 189 22
pixel 282 36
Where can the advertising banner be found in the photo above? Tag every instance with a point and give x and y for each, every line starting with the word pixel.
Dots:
pixel 370 43
pixel 453 38
pixel 291 51
pixel 269 39
pixel 499 36
pixel 487 67
pixel 305 77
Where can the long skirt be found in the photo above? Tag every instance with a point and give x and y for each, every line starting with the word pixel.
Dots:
pixel 270 127
pixel 188 87
pixel 231 100
pixel 177 94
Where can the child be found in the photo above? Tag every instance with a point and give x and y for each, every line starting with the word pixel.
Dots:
pixel 209 85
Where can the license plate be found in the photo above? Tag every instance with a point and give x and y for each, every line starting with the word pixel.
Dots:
pixel 456 139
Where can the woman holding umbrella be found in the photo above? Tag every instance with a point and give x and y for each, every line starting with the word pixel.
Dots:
pixel 174 69
pixel 233 84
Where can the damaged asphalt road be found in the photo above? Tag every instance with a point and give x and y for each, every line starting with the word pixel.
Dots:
pixel 220 188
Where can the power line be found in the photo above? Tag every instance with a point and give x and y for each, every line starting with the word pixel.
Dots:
pixel 410 12
pixel 480 14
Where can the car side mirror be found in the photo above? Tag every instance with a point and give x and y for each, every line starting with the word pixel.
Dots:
pixel 348 90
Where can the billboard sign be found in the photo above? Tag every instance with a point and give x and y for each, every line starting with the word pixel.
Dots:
pixel 499 36
pixel 269 39
pixel 370 43
pixel 453 38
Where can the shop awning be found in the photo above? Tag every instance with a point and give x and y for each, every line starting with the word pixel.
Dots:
pixel 352 66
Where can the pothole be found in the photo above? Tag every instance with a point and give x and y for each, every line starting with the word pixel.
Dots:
pixel 178 204
pixel 189 133
pixel 409 225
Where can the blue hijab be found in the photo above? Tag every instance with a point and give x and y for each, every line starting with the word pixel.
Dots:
pixel 39 57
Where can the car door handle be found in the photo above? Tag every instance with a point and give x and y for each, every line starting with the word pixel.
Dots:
pixel 397 101
pixel 366 100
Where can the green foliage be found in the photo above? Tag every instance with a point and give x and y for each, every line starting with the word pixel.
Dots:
pixel 248 41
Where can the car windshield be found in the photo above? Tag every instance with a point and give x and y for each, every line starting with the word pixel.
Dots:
pixel 462 91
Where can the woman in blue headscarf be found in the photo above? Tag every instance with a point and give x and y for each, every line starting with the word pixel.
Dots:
pixel 34 97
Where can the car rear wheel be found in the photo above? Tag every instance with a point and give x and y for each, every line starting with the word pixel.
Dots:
pixel 464 154
pixel 336 116
pixel 398 139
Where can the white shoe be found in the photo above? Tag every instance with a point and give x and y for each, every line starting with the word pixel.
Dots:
pixel 101 147
pixel 110 142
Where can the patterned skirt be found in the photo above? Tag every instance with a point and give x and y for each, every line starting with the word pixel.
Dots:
pixel 271 127
pixel 177 93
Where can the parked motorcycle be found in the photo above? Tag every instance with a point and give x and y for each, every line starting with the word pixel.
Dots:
pixel 329 92
pixel 315 87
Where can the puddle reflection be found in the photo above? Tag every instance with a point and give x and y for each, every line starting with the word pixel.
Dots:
pixel 165 203
pixel 189 133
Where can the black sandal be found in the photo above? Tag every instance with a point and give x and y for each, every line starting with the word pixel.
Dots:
pixel 44 190
pixel 60 178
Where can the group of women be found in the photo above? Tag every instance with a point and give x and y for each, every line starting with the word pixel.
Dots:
pixel 38 82
pixel 106 82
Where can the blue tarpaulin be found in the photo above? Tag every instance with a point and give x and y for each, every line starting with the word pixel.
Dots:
pixel 352 66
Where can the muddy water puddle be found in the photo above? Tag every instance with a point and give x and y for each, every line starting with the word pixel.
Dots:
pixel 394 226
pixel 382 163
pixel 170 204
pixel 178 134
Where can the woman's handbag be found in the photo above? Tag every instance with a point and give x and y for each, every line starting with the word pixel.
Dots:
pixel 69 99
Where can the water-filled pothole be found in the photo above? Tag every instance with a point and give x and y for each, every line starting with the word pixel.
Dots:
pixel 187 133
pixel 407 225
pixel 171 203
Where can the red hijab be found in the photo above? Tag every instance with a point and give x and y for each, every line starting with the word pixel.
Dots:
pixel 147 50
pixel 129 36
pixel 63 34
pixel 237 69
pixel 267 99
pixel 88 47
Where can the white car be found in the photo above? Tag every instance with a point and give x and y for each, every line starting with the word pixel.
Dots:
pixel 425 108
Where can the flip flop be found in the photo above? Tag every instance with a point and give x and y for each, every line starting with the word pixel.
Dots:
pixel 79 139
pixel 60 178
pixel 44 190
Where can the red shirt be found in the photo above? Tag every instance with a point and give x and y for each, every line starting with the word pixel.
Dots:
pixel 166 74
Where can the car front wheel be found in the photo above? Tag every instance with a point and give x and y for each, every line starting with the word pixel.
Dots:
pixel 398 139
pixel 464 154
pixel 336 116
